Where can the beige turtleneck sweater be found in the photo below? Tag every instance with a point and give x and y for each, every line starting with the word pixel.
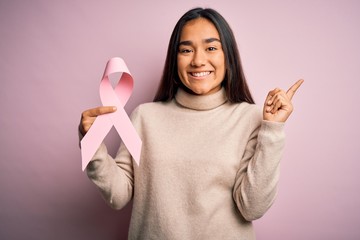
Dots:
pixel 208 168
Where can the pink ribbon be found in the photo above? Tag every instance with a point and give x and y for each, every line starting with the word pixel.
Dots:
pixel 119 119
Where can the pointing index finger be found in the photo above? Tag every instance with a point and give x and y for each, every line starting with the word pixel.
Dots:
pixel 293 88
pixel 94 112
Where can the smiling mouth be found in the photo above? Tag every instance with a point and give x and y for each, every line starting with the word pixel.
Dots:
pixel 199 74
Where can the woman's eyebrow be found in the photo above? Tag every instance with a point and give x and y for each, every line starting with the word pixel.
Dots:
pixel 186 43
pixel 207 40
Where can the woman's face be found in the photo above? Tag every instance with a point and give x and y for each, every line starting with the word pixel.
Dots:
pixel 200 59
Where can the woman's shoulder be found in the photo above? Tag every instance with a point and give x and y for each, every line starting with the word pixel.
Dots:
pixel 150 108
pixel 248 108
pixel 247 113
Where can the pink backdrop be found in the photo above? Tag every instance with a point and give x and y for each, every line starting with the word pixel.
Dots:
pixel 52 56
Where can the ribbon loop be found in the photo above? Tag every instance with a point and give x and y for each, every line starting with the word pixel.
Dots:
pixel 119 119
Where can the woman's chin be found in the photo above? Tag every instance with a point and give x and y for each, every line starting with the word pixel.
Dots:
pixel 203 91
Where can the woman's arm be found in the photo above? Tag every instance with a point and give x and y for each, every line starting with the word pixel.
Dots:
pixel 256 181
pixel 113 177
pixel 258 175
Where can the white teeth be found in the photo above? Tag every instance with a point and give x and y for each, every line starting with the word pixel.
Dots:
pixel 200 74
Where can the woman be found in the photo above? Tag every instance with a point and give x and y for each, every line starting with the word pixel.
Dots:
pixel 210 157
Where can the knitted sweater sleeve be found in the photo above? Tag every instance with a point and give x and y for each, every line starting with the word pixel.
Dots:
pixel 256 181
pixel 113 176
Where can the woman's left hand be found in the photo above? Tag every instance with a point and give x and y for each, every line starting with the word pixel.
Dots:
pixel 278 106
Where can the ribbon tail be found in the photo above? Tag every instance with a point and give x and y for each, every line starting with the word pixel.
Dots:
pixel 127 133
pixel 93 138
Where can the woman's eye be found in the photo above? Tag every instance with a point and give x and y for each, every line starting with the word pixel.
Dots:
pixel 212 48
pixel 185 50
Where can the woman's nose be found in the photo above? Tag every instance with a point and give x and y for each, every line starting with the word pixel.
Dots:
pixel 199 59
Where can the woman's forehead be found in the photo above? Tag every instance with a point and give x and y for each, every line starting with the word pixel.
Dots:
pixel 199 28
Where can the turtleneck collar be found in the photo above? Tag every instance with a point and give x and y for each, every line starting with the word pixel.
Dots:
pixel 200 102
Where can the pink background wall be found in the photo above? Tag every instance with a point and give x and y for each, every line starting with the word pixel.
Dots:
pixel 52 56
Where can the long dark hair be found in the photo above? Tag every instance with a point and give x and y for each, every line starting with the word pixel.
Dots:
pixel 234 82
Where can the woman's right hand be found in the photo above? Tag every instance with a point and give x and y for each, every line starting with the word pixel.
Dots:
pixel 88 117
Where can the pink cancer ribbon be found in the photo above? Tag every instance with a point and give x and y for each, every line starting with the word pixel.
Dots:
pixel 119 119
